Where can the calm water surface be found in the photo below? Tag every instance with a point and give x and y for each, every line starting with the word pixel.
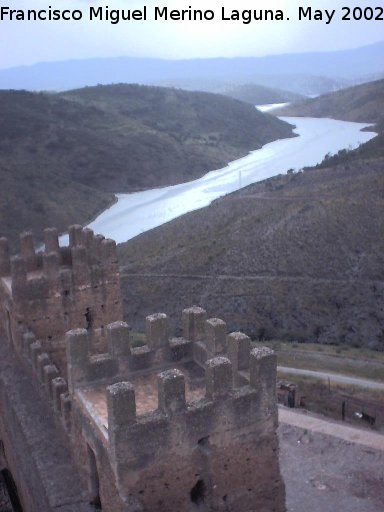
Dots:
pixel 138 212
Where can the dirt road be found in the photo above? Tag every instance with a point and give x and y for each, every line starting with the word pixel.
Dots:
pixel 124 274
pixel 333 377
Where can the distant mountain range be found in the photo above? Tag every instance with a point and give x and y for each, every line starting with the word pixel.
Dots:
pixel 304 73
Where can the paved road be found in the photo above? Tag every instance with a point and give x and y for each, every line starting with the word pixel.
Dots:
pixel 333 377
pixel 332 428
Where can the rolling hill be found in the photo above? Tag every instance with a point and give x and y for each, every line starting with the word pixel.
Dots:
pixel 63 156
pixel 362 103
pixel 260 95
pixel 296 257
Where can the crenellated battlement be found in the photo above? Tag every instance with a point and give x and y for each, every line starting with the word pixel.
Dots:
pixel 202 340
pixel 152 404
pixel 56 289
pixel 209 438
pixel 179 423
pixel 90 259
pixel 46 377
pixel 85 368
pixel 171 388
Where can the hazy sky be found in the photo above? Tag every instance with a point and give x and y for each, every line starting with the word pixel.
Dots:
pixel 29 41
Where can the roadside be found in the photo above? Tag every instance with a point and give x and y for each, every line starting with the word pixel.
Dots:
pixel 324 473
pixel 321 425
pixel 333 377
pixel 342 383
pixel 357 363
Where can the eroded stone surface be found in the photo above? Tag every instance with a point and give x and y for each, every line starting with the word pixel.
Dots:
pixel 177 424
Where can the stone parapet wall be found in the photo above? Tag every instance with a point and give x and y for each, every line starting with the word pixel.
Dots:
pixel 180 423
pixel 52 291
pixel 219 451
pixel 222 447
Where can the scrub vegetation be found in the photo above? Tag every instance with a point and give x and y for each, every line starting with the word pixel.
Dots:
pixel 62 156
pixel 297 257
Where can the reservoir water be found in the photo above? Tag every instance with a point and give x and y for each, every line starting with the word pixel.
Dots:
pixel 135 213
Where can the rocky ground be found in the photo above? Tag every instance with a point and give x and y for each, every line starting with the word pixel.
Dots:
pixel 323 473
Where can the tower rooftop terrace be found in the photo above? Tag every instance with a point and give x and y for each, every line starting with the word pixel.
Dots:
pixel 94 398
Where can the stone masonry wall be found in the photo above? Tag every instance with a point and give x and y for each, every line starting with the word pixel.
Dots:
pixel 59 289
pixel 217 453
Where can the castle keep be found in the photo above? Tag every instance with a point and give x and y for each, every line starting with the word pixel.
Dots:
pixel 89 421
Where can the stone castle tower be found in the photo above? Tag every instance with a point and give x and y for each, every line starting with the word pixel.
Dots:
pixel 60 289
pixel 176 424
